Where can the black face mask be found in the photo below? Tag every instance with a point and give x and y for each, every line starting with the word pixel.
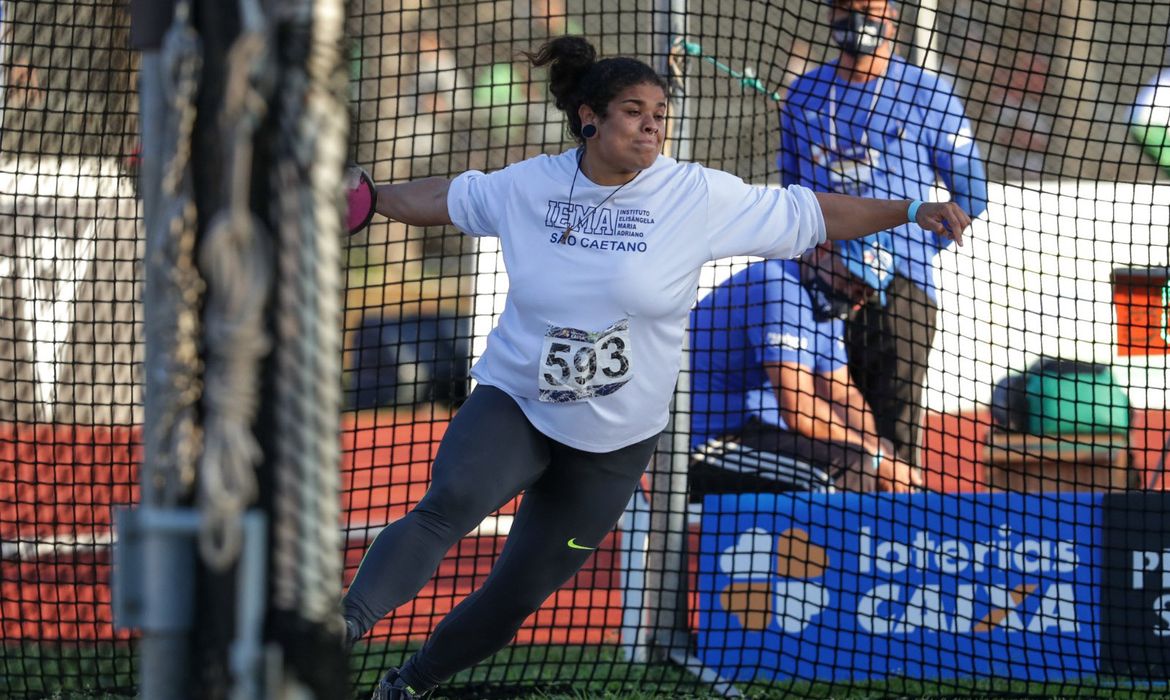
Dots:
pixel 858 34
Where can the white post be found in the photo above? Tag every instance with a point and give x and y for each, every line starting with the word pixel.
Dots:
pixel 634 534
pixel 641 581
pixel 925 53
pixel 665 598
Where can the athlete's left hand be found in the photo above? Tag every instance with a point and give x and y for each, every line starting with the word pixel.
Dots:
pixel 944 218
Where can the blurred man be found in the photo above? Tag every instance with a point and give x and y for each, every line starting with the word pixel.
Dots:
pixel 772 404
pixel 870 124
pixel 1150 118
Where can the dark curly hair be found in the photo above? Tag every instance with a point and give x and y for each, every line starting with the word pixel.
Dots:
pixel 576 77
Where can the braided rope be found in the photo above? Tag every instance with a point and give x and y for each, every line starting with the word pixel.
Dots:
pixel 173 436
pixel 307 563
pixel 236 257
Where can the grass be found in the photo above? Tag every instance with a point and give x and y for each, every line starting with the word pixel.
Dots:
pixel 67 671
pixel 589 673
pixel 107 672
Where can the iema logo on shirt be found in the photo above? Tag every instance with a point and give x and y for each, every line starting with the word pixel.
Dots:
pixel 598 228
pixel 855 586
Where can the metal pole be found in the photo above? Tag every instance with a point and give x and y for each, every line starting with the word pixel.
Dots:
pixel 670 23
pixel 163 649
pixel 649 590
pixel 667 636
pixel 665 558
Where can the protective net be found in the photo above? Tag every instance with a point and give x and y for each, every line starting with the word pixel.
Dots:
pixel 70 340
pixel 1022 567
pixel 1032 562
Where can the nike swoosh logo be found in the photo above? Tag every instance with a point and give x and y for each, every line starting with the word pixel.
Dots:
pixel 573 544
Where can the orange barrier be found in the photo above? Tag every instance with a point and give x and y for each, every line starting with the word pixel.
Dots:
pixel 58 485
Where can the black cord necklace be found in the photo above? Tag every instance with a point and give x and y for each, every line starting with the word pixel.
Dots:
pixel 569 229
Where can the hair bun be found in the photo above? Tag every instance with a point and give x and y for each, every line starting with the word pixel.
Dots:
pixel 569 58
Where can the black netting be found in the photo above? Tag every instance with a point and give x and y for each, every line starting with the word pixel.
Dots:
pixel 1067 263
pixel 70 341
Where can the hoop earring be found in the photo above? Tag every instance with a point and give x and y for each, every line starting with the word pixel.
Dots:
pixel 589 131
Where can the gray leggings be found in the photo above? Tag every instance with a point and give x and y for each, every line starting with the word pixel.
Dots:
pixel 489 454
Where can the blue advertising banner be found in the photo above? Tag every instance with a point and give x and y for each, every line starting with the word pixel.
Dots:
pixel 931 586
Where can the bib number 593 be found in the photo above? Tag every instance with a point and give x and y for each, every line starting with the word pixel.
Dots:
pixel 578 364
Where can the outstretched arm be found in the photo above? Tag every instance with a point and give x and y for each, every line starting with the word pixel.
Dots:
pixel 417 202
pixel 809 411
pixel 853 217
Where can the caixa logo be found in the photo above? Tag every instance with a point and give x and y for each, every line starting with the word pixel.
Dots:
pixel 1004 583
pixel 776 580
pixel 1032 607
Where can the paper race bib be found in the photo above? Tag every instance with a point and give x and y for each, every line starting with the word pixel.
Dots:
pixel 577 365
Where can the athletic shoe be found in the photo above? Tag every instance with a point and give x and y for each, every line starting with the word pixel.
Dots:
pixel 392 687
pixel 351 634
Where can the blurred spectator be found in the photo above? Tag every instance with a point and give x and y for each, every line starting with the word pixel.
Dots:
pixel 1024 128
pixel 1150 126
pixel 22 85
pixel 431 88
pixel 549 17
pixel 503 89
pixel 20 82
pixel 441 85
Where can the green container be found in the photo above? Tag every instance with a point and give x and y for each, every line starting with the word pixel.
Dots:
pixel 1076 402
